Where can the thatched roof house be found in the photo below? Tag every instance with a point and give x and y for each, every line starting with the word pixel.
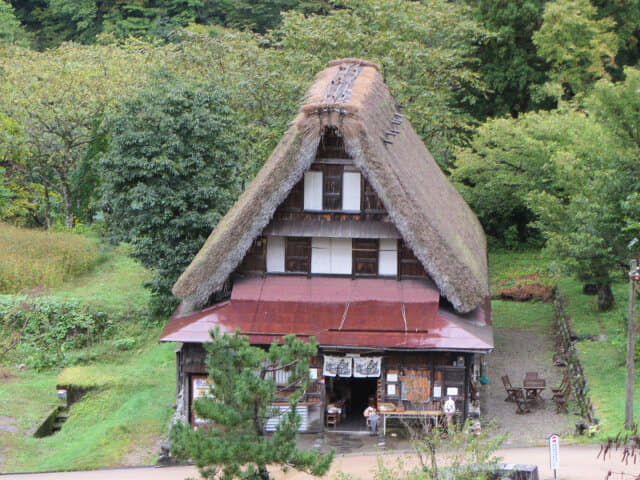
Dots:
pixel 427 211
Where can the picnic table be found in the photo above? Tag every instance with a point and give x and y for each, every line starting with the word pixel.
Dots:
pixel 533 387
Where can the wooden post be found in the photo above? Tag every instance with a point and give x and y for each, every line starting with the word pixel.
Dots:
pixel 631 327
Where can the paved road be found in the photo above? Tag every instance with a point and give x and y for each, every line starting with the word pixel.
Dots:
pixel 576 463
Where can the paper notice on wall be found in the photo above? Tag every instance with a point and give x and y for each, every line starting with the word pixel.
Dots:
pixel 452 392
pixel 437 392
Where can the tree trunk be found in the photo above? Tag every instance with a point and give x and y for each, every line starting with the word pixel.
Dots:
pixel 68 206
pixel 264 473
pixel 605 296
pixel 47 207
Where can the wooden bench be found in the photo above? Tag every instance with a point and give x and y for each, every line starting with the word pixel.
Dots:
pixel 511 391
pixel 561 399
pixel 523 402
pixel 563 385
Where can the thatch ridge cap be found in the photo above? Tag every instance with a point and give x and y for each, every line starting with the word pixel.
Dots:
pixel 354 60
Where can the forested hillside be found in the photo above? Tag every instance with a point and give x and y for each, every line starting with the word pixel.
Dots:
pixel 145 120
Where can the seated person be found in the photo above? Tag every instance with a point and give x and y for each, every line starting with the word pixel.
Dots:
pixel 371 414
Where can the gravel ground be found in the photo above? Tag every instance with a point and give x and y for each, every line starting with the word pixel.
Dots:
pixel 516 352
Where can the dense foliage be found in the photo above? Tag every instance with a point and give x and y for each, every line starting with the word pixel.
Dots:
pixel 510 64
pixel 169 177
pixel 42 332
pixel 89 21
pixel 55 115
pixel 236 444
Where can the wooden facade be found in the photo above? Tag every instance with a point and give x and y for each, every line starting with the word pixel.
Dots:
pixel 415 381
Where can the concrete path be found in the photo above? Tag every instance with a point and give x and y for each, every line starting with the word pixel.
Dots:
pixel 576 463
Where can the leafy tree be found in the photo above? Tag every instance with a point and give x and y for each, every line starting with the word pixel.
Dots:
pixel 576 44
pixel 170 175
pixel 58 108
pixel 573 174
pixel 263 85
pixel 262 15
pixel 56 21
pixel 427 51
pixel 235 444
pixel 151 18
pixel 10 28
pixel 584 226
pixel 626 16
pixel 506 160
pixel 509 62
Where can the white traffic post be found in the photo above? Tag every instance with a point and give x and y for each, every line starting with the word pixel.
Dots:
pixel 554 453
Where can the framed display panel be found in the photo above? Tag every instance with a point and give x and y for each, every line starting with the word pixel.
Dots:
pixel 416 385
pixel 201 387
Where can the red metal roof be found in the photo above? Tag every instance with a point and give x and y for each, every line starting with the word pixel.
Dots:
pixel 358 313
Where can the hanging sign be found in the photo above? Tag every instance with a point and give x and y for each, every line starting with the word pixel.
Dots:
pixel 337 366
pixel 366 367
pixel 554 453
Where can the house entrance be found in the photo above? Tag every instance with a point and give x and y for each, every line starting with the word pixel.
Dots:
pixel 353 395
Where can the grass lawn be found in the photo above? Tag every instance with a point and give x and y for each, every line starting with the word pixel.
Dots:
pixel 115 286
pixel 132 379
pixel 119 421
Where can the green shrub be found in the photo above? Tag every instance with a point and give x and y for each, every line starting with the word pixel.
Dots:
pixel 42 332
pixel 124 343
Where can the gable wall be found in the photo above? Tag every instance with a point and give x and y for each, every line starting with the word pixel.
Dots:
pixel 333 191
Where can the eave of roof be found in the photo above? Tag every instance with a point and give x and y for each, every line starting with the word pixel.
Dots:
pixel 360 313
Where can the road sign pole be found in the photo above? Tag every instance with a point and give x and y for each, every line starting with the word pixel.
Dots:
pixel 554 454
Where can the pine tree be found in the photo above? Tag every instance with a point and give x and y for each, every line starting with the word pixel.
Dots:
pixel 236 444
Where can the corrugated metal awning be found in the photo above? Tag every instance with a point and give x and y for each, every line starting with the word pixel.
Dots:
pixel 355 313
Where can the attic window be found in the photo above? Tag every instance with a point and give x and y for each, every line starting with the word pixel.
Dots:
pixel 255 259
pixel 331 144
pixel 332 188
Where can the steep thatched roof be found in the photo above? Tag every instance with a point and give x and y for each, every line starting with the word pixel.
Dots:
pixel 428 212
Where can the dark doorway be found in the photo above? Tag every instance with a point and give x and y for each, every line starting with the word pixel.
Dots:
pixel 355 393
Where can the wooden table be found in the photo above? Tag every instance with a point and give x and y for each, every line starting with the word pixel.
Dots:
pixel 415 414
pixel 533 387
